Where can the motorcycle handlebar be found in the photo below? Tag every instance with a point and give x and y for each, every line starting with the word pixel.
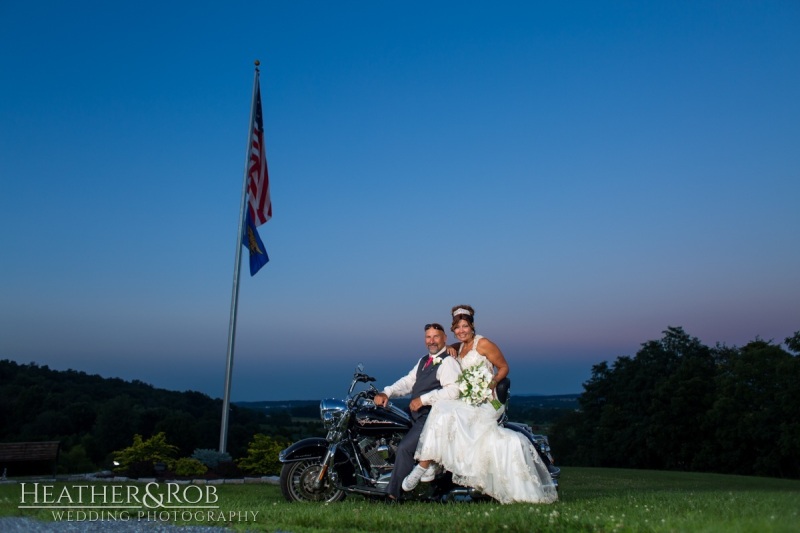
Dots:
pixel 359 378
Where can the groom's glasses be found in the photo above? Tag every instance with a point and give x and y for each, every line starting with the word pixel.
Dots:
pixel 434 326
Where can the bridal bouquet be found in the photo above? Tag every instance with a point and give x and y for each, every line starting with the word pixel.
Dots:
pixel 473 384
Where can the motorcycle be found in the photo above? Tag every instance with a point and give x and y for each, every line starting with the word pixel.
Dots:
pixel 357 455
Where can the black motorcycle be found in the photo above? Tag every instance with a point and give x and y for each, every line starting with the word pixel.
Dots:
pixel 357 455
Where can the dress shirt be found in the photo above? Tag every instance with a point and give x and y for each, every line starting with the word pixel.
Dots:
pixel 447 373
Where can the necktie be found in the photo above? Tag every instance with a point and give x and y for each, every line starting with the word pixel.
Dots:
pixel 428 362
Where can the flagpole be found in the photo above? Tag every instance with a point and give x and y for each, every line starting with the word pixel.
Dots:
pixel 226 400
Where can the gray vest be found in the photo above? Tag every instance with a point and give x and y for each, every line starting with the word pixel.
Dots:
pixel 426 382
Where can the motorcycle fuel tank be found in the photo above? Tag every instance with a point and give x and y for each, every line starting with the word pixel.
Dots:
pixel 379 420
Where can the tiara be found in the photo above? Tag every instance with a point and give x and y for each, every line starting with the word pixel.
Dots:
pixel 461 311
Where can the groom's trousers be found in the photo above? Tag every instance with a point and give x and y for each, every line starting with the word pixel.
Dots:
pixel 404 456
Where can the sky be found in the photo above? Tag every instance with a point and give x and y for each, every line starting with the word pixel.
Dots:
pixel 585 174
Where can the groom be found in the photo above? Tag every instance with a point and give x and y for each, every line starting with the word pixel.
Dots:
pixel 432 379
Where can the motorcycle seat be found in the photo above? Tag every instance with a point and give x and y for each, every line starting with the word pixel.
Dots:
pixel 502 390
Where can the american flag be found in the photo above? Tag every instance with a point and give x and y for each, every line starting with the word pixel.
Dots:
pixel 259 206
pixel 259 203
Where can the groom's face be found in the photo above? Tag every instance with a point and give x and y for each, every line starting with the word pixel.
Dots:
pixel 435 339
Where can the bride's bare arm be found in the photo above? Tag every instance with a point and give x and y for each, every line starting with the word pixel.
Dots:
pixel 490 351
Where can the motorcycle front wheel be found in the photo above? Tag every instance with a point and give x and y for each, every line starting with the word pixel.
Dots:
pixel 298 479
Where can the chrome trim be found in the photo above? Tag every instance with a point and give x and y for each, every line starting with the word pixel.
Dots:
pixel 330 411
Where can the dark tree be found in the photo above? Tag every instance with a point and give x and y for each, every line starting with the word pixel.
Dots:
pixel 680 405
pixel 94 416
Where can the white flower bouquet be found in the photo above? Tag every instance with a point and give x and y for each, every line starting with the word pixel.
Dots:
pixel 473 385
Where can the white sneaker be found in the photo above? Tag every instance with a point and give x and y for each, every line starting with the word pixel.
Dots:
pixel 430 473
pixel 412 480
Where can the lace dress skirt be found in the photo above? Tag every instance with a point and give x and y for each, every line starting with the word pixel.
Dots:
pixel 502 463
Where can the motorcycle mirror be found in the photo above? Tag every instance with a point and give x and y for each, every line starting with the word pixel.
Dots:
pixel 359 368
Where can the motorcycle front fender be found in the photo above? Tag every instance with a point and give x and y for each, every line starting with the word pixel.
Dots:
pixel 304 449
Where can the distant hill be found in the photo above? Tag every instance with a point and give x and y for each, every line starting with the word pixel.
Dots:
pixel 295 408
pixel 310 408
pixel 94 416
pixel 282 404
pixel 557 401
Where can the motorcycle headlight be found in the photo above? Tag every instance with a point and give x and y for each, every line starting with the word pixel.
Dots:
pixel 331 411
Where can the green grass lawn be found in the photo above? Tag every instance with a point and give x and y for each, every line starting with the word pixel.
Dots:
pixel 592 499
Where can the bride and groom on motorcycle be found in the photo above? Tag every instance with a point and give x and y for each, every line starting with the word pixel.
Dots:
pixel 456 422
pixel 463 435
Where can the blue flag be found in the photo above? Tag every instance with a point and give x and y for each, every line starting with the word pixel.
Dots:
pixel 258 253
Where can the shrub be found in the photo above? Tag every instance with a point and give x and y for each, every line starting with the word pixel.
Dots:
pixel 211 458
pixel 227 469
pixel 262 455
pixel 75 461
pixel 153 450
pixel 139 469
pixel 187 466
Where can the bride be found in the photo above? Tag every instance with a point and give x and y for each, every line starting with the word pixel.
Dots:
pixel 466 440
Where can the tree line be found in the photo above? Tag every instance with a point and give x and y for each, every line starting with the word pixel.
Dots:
pixel 94 417
pixel 681 405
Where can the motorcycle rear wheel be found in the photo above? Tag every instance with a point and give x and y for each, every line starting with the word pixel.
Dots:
pixel 297 483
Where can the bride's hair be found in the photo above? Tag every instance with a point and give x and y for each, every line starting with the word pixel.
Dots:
pixel 469 316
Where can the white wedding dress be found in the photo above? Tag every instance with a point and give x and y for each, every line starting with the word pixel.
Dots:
pixel 467 441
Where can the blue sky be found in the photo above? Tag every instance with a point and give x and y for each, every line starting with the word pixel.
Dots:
pixel 585 174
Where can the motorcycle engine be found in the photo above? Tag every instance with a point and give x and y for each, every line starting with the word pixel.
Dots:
pixel 380 452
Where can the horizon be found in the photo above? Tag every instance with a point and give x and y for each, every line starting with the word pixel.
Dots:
pixel 338 387
pixel 235 401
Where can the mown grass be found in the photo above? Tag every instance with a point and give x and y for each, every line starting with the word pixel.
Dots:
pixel 592 500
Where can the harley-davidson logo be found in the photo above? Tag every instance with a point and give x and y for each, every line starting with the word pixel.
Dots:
pixel 367 421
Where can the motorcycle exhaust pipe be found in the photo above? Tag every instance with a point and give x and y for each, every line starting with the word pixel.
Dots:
pixel 464 494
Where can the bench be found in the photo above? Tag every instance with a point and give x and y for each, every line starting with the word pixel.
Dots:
pixel 14 453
